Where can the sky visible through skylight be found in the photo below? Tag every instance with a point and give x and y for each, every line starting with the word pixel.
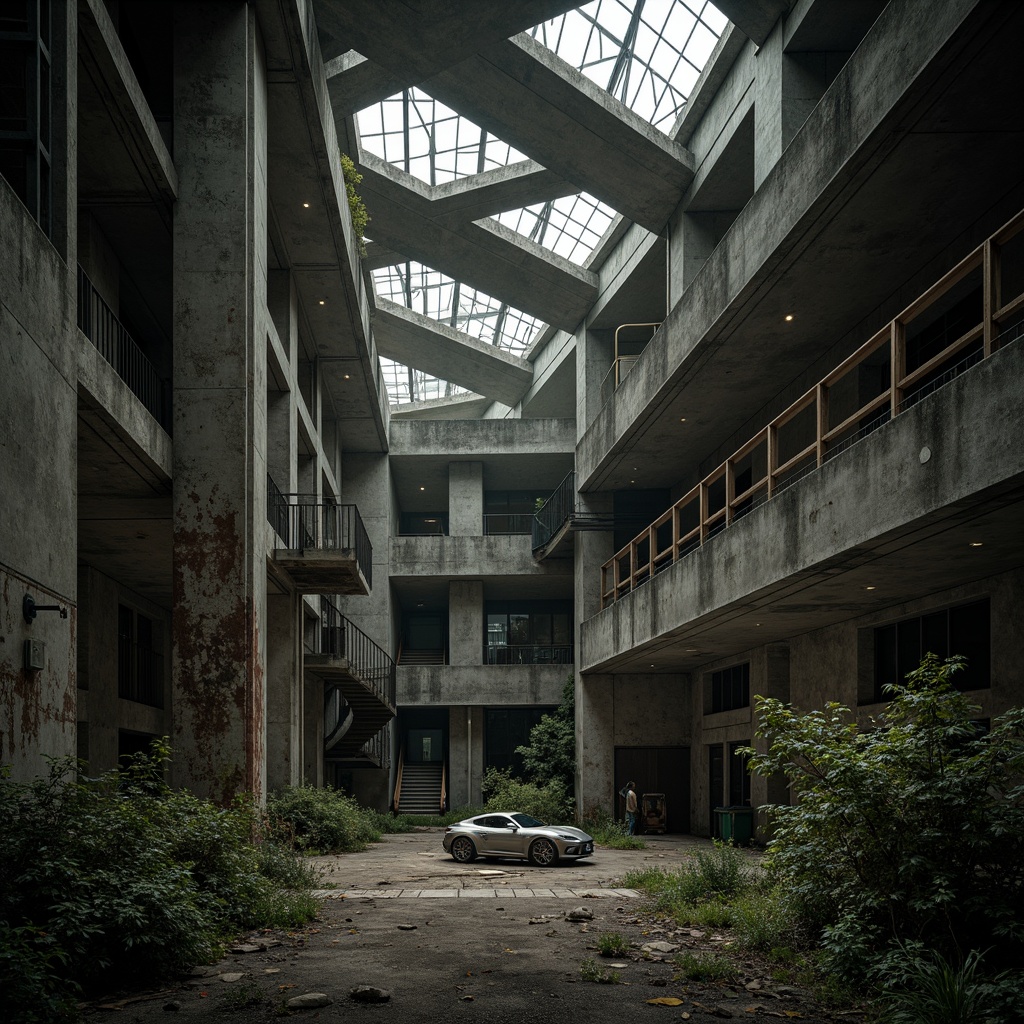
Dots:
pixel 646 53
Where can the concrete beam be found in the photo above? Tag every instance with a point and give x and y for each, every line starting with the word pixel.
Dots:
pixel 754 18
pixel 484 255
pixel 527 96
pixel 481 439
pixel 425 344
pixel 416 40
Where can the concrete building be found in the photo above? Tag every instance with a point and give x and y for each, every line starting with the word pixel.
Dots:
pixel 681 359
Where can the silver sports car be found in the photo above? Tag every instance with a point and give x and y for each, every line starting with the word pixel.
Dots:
pixel 515 835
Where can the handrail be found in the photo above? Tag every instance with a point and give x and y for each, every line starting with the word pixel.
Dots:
pixel 396 800
pixel 99 324
pixel 339 637
pixel 316 524
pixel 714 503
pixel 528 654
pixel 549 518
pixel 444 787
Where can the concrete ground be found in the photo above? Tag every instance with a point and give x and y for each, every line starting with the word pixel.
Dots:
pixel 508 953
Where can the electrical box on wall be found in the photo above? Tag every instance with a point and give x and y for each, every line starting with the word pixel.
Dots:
pixel 35 655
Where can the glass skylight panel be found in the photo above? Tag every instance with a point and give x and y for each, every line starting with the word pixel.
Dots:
pixel 425 138
pixel 570 226
pixel 406 385
pixel 456 304
pixel 647 53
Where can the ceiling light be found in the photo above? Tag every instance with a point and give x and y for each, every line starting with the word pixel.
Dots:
pixel 789 318
pixel 691 650
pixel 682 419
pixel 870 588
pixel 305 206
pixel 348 376
pixel 976 544
pixel 322 301
pixel 430 520
pixel 423 488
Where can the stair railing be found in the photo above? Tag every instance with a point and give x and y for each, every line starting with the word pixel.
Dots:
pixel 398 781
pixel 444 787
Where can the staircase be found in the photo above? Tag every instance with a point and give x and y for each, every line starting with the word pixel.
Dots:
pixel 421 789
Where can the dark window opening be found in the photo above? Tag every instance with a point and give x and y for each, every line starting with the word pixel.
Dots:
pixel 139 662
pixel 730 688
pixel 529 633
pixel 504 730
pixel 739 777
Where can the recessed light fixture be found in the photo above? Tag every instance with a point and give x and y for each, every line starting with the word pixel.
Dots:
pixel 423 488
pixel 789 318
pixel 632 481
pixel 682 419
pixel 305 206
pixel 757 623
pixel 691 650
pixel 323 302
pixel 348 376
pixel 870 588
pixel 430 520
pixel 976 543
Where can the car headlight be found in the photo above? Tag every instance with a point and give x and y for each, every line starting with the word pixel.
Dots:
pixel 569 839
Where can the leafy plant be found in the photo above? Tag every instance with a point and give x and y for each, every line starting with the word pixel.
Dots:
pixel 356 206
pixel 706 967
pixel 550 803
pixel 550 756
pixel 910 831
pixel 591 971
pixel 612 944
pixel 609 832
pixel 322 820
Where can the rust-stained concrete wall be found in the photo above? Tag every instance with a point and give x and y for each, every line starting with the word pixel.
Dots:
pixel 220 232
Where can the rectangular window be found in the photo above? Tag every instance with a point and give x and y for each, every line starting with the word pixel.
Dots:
pixel 528 633
pixel 139 663
pixel 739 777
pixel 730 688
pixel 963 630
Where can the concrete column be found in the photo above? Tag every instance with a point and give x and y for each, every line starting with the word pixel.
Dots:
pixel 465 622
pixel 284 692
pixel 220 231
pixel 595 750
pixel 465 499
pixel 697 236
pixel 465 756
pixel 768 134
pixel 595 353
pixel 312 731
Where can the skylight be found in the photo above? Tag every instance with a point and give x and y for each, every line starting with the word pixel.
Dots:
pixel 571 226
pixel 456 304
pixel 647 53
pixel 407 385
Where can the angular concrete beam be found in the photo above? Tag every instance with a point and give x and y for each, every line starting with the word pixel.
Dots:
pixel 503 188
pixel 418 38
pixel 754 18
pixel 527 96
pixel 484 255
pixel 425 344
pixel 356 83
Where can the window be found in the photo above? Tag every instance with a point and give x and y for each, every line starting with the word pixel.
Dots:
pixel 739 777
pixel 139 663
pixel 508 512
pixel 25 103
pixel 730 688
pixel 505 729
pixel 963 630
pixel 529 633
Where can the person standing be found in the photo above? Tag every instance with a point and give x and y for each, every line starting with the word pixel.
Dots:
pixel 631 808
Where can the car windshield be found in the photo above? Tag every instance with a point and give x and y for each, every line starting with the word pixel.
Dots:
pixel 526 821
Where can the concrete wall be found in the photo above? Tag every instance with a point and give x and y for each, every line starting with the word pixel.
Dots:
pixel 480 685
pixel 469 556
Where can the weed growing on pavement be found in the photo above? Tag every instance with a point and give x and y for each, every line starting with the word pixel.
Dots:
pixel 591 971
pixel 242 996
pixel 606 831
pixel 706 967
pixel 612 944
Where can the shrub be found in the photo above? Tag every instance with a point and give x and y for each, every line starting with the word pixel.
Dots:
pixel 550 756
pixel 612 944
pixel 119 876
pixel 322 820
pixel 911 831
pixel 609 832
pixel 550 803
pixel 707 967
pixel 356 206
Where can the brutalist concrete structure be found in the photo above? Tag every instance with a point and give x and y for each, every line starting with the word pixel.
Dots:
pixel 764 440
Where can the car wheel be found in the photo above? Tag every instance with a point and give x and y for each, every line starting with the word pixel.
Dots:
pixel 543 853
pixel 463 849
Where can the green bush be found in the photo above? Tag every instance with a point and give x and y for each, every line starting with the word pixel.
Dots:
pixel 322 820
pixel 910 831
pixel 119 876
pixel 612 944
pixel 707 967
pixel 550 756
pixel 550 803
pixel 609 832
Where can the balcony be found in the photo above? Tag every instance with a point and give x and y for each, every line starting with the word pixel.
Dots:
pixel 97 322
pixel 528 654
pixel 961 321
pixel 359 687
pixel 323 546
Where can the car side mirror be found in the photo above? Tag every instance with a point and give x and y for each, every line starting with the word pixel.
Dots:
pixel 514 828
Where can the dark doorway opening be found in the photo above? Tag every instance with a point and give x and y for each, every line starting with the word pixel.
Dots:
pixel 657 770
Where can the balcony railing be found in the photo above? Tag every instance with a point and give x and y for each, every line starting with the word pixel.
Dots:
pixel 528 654
pixel 306 524
pixel 809 433
pixel 503 524
pixel 553 514
pixel 277 509
pixel 339 638
pixel 98 323
pixel 623 362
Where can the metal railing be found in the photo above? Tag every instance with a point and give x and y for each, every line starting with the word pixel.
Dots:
pixel 528 654
pixel 98 323
pixel 805 436
pixel 340 638
pixel 377 748
pixel 503 524
pixel 277 509
pixel 552 515
pixel 139 675
pixel 310 524
pixel 622 362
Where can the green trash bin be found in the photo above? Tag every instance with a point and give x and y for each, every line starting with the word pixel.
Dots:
pixel 735 824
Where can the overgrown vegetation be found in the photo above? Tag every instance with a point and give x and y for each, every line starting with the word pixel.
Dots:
pixel 316 820
pixel 907 843
pixel 356 206
pixel 121 877
pixel 612 944
pixel 898 872
pixel 550 756
pixel 550 803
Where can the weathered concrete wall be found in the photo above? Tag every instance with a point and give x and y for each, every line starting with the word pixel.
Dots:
pixel 38 509
pixel 465 622
pixel 220 232
pixel 470 556
pixel 480 685
pixel 595 753
pixel 285 712
pixel 465 756
pixel 465 499
pixel 468 439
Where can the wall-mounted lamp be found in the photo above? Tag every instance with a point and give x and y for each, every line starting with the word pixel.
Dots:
pixel 30 609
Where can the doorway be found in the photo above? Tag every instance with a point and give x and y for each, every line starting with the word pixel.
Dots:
pixel 657 770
